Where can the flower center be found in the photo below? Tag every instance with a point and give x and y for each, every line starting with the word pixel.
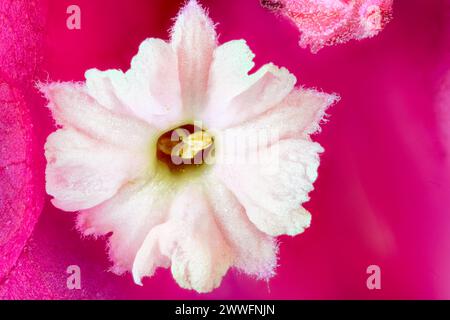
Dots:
pixel 185 147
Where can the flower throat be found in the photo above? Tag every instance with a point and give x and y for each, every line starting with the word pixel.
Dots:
pixel 184 148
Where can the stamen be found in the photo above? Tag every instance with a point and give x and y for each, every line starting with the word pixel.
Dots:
pixel 185 145
pixel 194 143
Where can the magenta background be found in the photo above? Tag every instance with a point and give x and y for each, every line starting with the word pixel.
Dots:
pixel 382 196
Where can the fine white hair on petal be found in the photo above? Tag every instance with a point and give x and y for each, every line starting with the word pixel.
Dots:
pixel 255 252
pixel 272 193
pixel 130 215
pixel 155 80
pixel 102 86
pixel 262 91
pixel 194 39
pixel 150 90
pixel 298 115
pixel 273 84
pixel 73 107
pixel 82 172
pixel 228 75
pixel 102 161
pixel 191 240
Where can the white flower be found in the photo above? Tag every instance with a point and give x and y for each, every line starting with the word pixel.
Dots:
pixel 111 159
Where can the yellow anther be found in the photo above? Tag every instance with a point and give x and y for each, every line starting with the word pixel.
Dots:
pixel 194 143
pixel 183 144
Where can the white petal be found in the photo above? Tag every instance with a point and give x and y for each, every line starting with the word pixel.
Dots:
pixel 150 90
pixel 191 240
pixel 299 115
pixel 194 40
pixel 71 106
pixel 82 172
pixel 101 85
pixel 272 192
pixel 228 76
pixel 130 215
pixel 155 80
pixel 263 90
pixel 255 252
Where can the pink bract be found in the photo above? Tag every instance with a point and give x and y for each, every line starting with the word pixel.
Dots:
pixel 21 183
pixel 329 22
pixel 20 195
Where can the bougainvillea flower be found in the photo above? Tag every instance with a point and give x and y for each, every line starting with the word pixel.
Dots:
pixel 382 193
pixel 112 158
pixel 329 22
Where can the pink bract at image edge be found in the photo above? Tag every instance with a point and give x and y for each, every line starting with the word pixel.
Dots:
pixel 21 161
pixel 330 22
pixel 382 193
